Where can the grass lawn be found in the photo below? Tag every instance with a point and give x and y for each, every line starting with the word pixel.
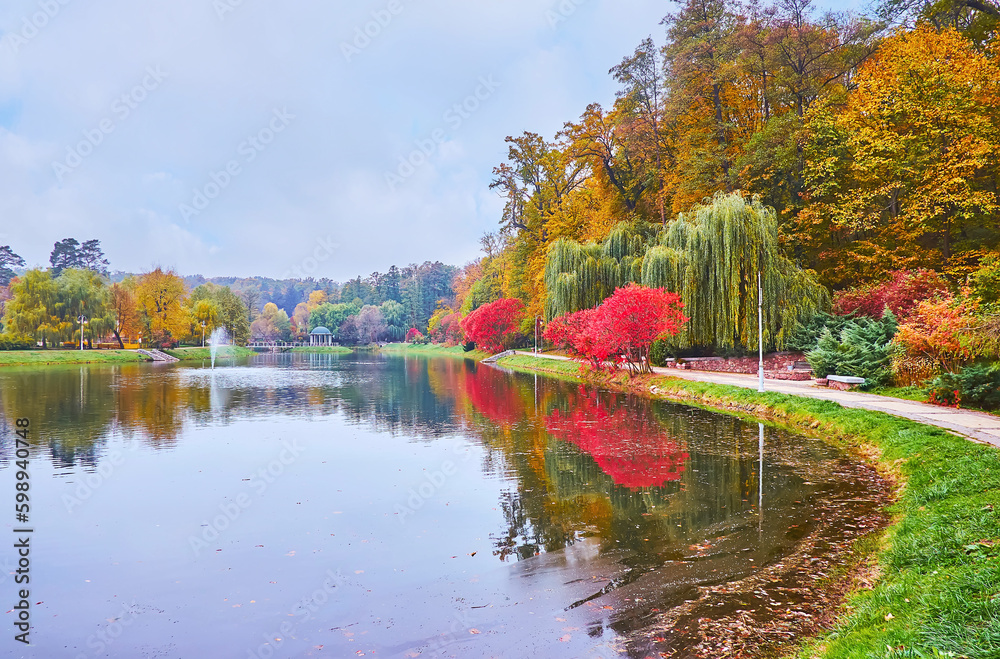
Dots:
pixel 907 393
pixel 937 567
pixel 30 357
pixel 432 350
pixel 334 350
pixel 198 354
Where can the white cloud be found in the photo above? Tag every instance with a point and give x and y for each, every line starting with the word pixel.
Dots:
pixel 325 174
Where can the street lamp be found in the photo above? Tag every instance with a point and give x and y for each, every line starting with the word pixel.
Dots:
pixel 203 334
pixel 760 333
pixel 83 321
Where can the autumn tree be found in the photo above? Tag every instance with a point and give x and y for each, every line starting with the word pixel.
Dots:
pixel 272 324
pixel 494 326
pixel 300 320
pixel 125 310
pixel 905 175
pixel 640 100
pixel 371 324
pixel 160 297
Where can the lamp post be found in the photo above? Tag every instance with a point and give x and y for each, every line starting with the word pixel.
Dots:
pixel 203 334
pixel 83 321
pixel 760 333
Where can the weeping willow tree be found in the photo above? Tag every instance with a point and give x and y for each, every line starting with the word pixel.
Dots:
pixel 580 276
pixel 711 257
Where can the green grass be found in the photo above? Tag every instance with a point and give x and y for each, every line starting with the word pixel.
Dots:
pixel 937 589
pixel 39 357
pixel 198 354
pixel 907 393
pixel 432 350
pixel 920 395
pixel 335 350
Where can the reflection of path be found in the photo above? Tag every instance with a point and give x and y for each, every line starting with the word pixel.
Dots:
pixel 975 425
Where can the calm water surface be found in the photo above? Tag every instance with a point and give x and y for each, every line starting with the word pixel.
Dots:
pixel 329 506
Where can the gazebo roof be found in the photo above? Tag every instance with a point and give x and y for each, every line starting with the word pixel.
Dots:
pixel 321 330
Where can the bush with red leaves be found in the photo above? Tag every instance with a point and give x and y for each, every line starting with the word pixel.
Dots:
pixel 623 327
pixel 902 292
pixel 448 330
pixel 493 326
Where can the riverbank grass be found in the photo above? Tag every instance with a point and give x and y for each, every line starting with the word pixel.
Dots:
pixel 935 573
pixel 40 357
pixel 200 354
pixel 432 350
pixel 327 350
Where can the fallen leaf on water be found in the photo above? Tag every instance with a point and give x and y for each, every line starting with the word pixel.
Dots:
pixel 564 639
pixel 474 631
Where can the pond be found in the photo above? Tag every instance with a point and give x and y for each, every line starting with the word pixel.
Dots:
pixel 369 505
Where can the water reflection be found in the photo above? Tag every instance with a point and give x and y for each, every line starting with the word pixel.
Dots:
pixel 621 506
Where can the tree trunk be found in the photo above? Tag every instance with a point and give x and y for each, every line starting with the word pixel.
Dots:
pixel 720 130
pixel 119 339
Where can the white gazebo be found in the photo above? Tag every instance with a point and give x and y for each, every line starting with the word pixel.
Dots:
pixel 321 336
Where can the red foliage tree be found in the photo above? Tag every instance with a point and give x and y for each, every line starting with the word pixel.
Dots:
pixel 413 335
pixel 902 292
pixel 494 326
pixel 624 326
pixel 448 330
pixel 579 334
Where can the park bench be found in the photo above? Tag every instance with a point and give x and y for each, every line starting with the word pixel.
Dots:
pixel 844 382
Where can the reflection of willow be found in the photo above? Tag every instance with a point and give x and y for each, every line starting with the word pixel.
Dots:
pixel 74 409
pixel 66 405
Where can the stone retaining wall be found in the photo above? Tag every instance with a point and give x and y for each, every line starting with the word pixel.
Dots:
pixel 777 365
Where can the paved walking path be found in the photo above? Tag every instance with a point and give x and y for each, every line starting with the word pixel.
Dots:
pixel 978 426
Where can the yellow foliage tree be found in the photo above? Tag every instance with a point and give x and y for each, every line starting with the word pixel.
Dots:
pixel 911 162
pixel 160 297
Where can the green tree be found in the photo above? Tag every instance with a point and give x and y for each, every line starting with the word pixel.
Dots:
pixel 69 253
pixel 394 315
pixel 8 261
pixel 233 315
pixel 83 293
pixel 32 311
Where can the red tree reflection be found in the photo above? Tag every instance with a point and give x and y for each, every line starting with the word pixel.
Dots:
pixel 492 395
pixel 624 440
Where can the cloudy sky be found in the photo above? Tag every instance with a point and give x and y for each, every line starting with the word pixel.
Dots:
pixel 256 137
